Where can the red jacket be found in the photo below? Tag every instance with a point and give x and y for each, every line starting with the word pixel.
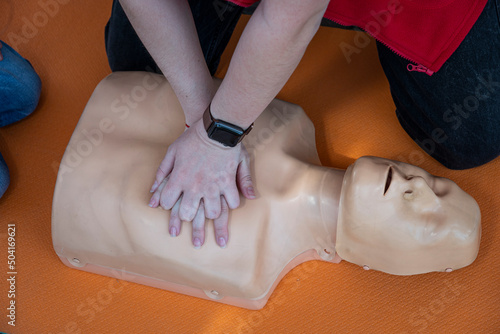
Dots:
pixel 425 32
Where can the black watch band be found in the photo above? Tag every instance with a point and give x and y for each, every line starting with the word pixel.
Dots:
pixel 223 132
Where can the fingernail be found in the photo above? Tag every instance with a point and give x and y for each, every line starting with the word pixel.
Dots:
pixel 151 202
pixel 173 232
pixel 251 192
pixel 197 243
pixel 222 242
pixel 153 188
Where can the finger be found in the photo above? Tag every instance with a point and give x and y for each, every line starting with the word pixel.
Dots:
pixel 155 199
pixel 174 225
pixel 220 224
pixel 212 206
pixel 199 227
pixel 244 179
pixel 232 197
pixel 189 207
pixel 169 196
pixel 164 169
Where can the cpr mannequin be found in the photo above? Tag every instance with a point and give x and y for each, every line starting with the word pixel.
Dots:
pixel 379 214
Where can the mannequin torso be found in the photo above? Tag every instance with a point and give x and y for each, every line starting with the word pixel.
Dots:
pixel 379 214
pixel 100 212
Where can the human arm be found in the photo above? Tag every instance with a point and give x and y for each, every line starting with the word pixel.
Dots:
pixel 269 50
pixel 167 30
pixel 267 53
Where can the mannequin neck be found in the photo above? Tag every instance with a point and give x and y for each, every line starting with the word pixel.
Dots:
pixel 320 199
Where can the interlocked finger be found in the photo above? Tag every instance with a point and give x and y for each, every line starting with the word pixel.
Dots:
pixel 199 227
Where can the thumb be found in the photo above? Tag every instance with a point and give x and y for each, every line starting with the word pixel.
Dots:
pixel 244 179
pixel 164 170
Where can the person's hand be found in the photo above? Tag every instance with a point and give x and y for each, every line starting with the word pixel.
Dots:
pixel 220 223
pixel 202 176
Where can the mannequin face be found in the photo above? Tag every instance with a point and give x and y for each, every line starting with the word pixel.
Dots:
pixel 397 218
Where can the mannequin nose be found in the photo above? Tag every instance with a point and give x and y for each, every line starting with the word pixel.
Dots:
pixel 418 181
pixel 420 184
pixel 414 182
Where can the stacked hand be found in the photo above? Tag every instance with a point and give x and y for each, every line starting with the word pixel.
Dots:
pixel 199 178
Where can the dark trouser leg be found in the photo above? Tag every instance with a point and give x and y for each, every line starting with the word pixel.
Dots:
pixel 214 20
pixel 124 48
pixel 454 115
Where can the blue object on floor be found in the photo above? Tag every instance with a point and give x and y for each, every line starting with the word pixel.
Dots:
pixel 20 86
pixel 4 176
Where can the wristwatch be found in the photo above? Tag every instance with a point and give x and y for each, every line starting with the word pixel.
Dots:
pixel 225 133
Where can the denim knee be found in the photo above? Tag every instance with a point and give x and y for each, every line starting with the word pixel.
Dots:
pixel 4 176
pixel 20 87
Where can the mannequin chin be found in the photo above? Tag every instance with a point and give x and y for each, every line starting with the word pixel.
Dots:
pixel 399 219
pixel 391 216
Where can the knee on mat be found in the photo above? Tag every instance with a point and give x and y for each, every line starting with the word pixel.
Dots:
pixel 20 87
pixel 4 176
pixel 463 153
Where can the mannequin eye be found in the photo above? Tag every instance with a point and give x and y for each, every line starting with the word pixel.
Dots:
pixel 388 180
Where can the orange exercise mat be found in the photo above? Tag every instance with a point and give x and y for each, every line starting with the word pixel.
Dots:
pixel 349 102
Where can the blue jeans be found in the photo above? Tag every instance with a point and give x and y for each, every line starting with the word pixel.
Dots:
pixel 442 113
pixel 19 93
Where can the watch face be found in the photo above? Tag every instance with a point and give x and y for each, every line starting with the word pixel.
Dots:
pixel 225 133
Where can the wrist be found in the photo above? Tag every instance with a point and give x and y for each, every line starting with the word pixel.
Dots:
pixel 229 118
pixel 222 131
pixel 199 100
pixel 192 118
pixel 201 132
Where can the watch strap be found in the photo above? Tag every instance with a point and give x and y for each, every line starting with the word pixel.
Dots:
pixel 225 133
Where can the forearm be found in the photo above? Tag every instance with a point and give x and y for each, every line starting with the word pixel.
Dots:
pixel 268 52
pixel 167 30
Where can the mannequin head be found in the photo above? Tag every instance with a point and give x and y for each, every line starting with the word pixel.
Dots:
pixel 397 218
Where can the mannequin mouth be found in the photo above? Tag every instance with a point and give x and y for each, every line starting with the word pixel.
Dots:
pixel 388 180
